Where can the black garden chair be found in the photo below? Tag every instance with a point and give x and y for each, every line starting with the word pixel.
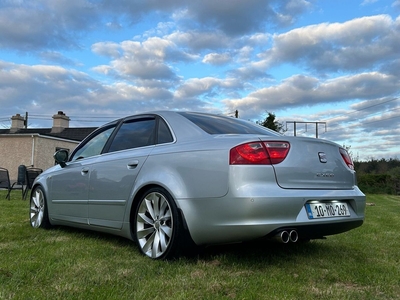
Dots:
pixel 5 183
pixel 31 174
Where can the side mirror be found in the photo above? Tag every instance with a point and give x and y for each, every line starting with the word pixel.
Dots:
pixel 61 157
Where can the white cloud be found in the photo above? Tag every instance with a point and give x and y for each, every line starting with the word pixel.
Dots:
pixel 355 44
pixel 302 90
pixel 216 58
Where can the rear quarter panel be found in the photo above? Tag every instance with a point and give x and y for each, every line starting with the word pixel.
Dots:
pixel 193 173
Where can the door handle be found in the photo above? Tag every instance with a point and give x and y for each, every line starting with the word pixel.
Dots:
pixel 84 171
pixel 133 164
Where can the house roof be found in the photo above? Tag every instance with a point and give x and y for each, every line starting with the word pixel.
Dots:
pixel 74 134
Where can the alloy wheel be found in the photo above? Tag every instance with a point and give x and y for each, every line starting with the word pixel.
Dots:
pixel 154 224
pixel 37 208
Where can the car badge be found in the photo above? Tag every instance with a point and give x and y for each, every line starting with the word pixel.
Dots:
pixel 322 157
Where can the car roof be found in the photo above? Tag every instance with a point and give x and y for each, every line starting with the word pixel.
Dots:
pixel 182 127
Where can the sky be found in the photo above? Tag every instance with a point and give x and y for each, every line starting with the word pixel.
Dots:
pixel 333 63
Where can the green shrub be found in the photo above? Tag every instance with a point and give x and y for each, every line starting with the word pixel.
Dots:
pixel 379 183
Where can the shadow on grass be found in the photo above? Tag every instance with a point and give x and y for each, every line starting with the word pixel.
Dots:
pixel 251 252
pixel 262 250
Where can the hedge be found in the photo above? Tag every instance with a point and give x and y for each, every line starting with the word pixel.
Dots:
pixel 379 183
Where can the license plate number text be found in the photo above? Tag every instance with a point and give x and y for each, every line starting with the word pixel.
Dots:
pixel 327 210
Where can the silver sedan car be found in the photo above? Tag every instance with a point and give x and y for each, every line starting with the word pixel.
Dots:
pixel 170 180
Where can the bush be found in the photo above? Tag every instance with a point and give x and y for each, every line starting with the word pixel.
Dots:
pixel 379 183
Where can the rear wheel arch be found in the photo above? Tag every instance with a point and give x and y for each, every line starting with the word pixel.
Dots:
pixel 139 195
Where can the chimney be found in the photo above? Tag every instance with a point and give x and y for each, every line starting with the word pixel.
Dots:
pixel 17 123
pixel 60 122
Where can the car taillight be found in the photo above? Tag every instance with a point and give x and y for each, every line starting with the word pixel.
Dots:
pixel 259 153
pixel 346 157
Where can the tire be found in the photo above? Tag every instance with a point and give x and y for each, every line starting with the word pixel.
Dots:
pixel 157 226
pixel 38 214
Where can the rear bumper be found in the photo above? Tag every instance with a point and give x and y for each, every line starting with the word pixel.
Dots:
pixel 233 219
pixel 317 231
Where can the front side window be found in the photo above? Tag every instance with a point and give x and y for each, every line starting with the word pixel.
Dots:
pixel 134 134
pixel 94 146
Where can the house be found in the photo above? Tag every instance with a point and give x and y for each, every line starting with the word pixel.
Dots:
pixel 34 147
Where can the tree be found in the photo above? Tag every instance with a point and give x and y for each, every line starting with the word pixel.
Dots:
pixel 271 123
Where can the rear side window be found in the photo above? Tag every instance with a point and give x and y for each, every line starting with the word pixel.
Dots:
pixel 213 124
pixel 134 134
pixel 164 135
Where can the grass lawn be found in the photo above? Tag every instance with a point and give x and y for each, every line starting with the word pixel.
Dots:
pixel 64 263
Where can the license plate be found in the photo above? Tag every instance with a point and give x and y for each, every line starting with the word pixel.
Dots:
pixel 318 210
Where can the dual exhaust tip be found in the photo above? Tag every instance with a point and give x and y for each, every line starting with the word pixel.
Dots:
pixel 288 236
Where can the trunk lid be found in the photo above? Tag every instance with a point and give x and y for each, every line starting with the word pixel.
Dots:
pixel 313 164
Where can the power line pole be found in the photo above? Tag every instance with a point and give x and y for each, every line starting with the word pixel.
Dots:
pixel 300 122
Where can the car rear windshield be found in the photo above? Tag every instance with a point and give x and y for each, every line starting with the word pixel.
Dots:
pixel 214 124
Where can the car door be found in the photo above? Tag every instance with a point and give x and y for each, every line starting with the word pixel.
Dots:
pixel 70 185
pixel 113 175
